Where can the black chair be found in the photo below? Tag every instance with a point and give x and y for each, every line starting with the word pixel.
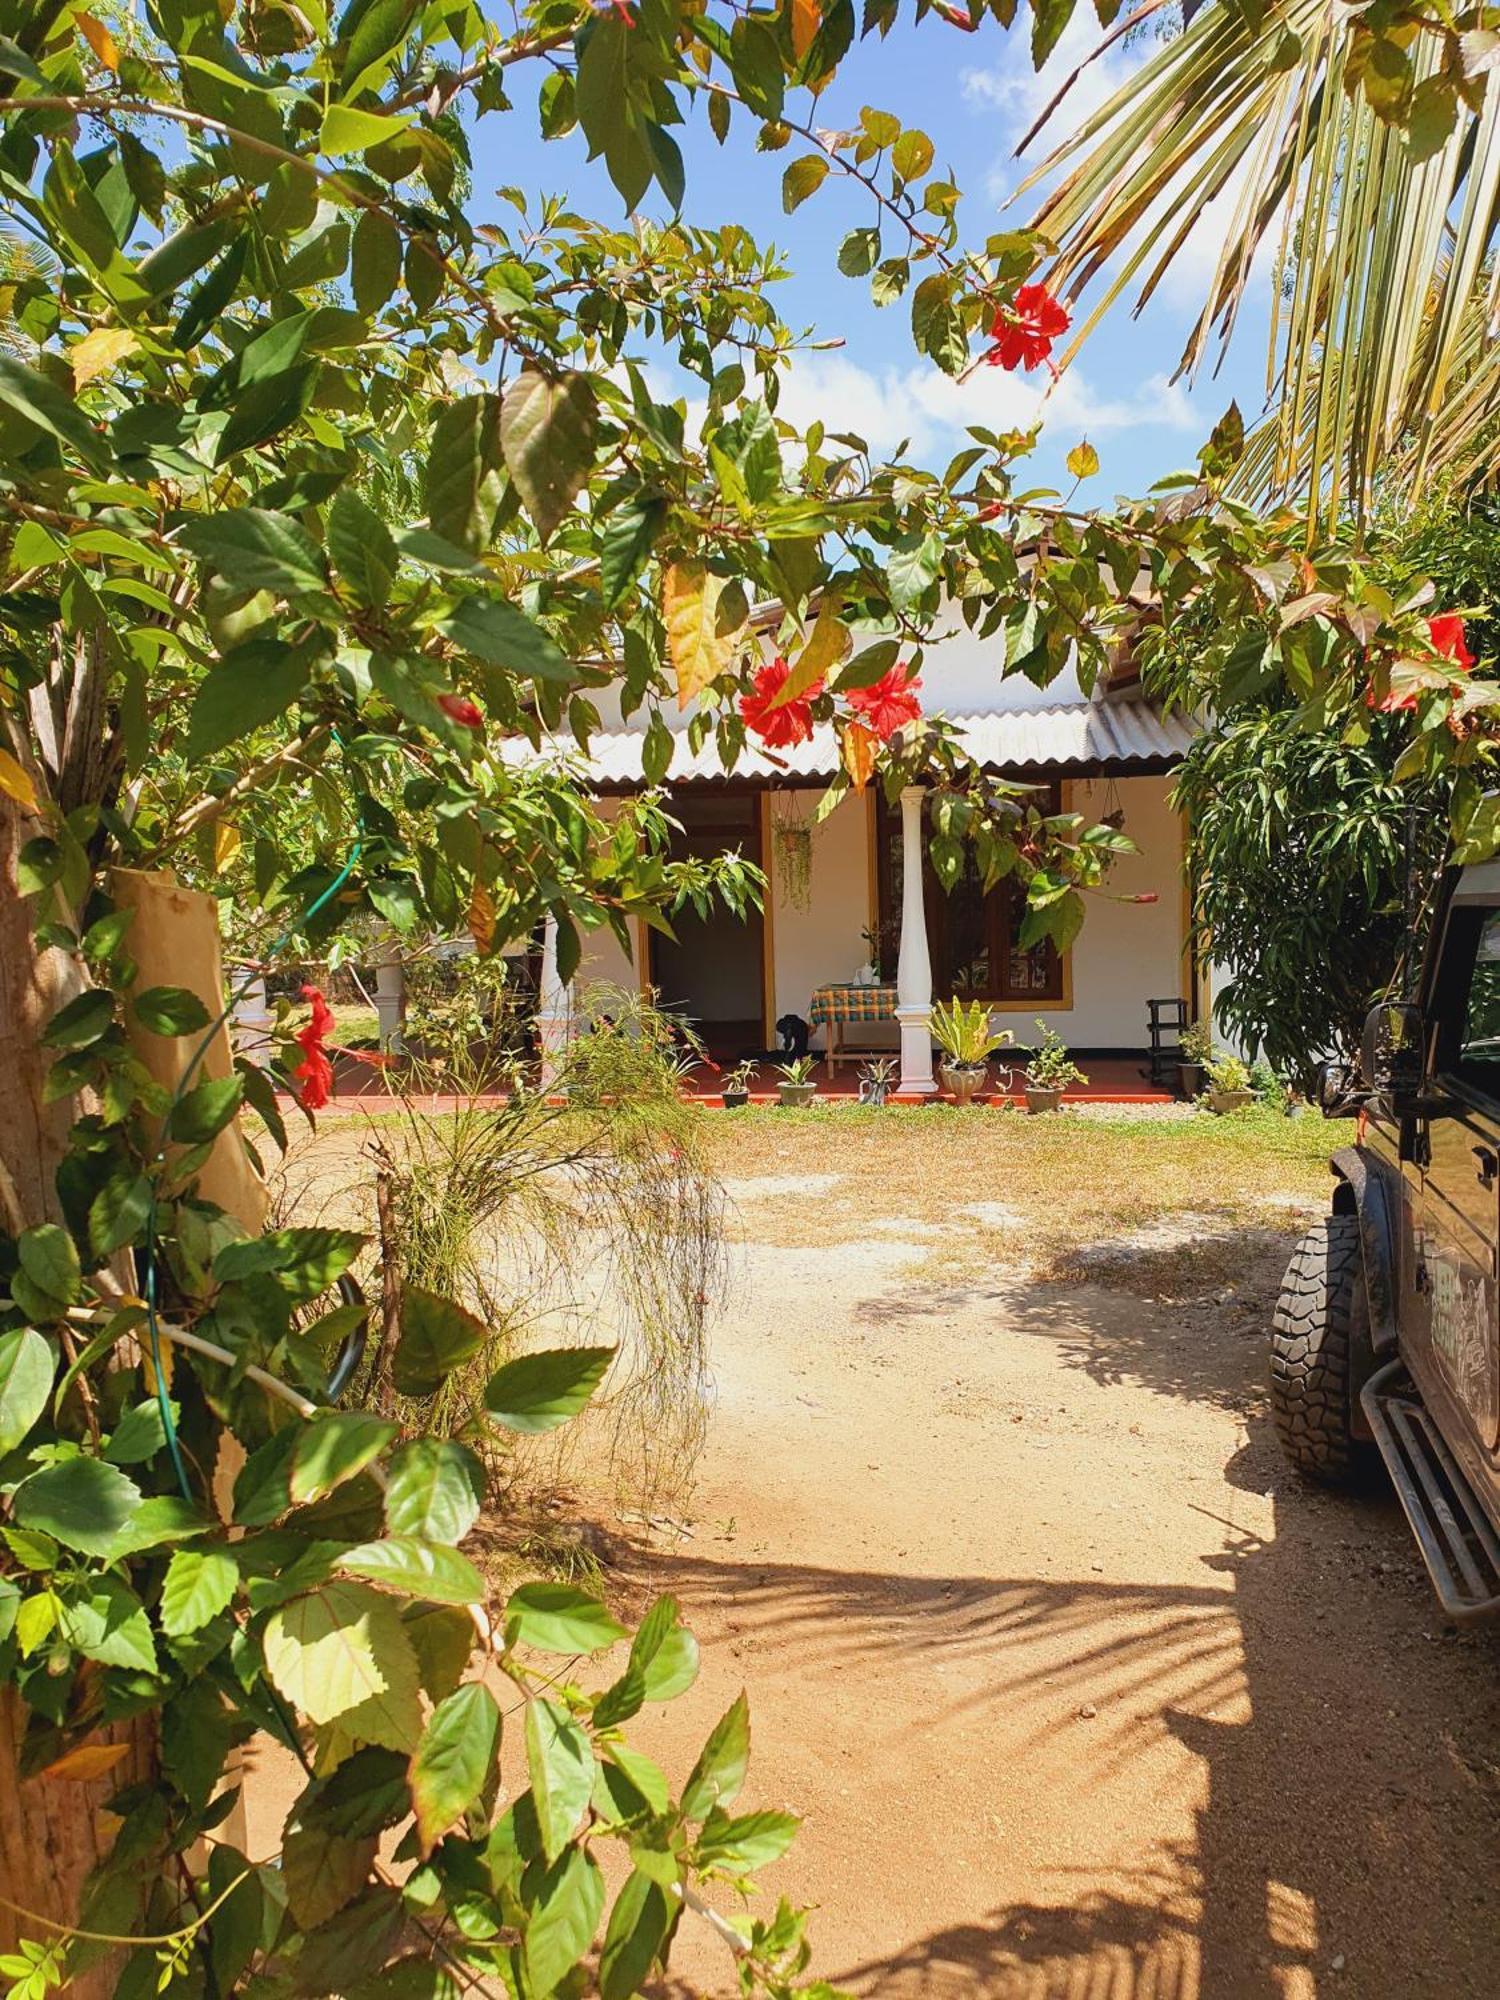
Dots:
pixel 1167 1017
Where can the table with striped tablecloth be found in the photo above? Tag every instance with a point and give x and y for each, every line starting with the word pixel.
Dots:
pixel 832 1008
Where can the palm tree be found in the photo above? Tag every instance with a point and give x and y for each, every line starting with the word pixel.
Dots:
pixel 1369 168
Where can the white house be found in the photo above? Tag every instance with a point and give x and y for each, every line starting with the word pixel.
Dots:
pixel 862 872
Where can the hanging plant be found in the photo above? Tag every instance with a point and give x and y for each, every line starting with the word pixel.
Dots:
pixel 792 838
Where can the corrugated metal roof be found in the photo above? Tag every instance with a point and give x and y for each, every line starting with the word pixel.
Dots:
pixel 1110 734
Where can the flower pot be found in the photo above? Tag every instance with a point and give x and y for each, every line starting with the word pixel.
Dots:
pixel 1038 1101
pixel 1220 1101
pixel 736 1100
pixel 1190 1079
pixel 795 1096
pixel 962 1080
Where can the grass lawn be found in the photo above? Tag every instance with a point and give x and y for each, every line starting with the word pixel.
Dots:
pixel 1151 1204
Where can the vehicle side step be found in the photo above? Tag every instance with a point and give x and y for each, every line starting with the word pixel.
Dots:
pixel 1458 1543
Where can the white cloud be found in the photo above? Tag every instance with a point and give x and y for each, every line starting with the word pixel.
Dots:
pixel 931 410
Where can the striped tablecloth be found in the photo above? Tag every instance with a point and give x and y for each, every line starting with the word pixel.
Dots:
pixel 852 1003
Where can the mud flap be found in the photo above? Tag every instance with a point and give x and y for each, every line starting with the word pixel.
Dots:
pixel 1369 1201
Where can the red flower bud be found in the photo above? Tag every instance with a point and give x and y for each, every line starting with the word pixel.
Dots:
pixel 458 708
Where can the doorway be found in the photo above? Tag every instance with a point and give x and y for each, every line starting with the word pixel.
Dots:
pixel 713 972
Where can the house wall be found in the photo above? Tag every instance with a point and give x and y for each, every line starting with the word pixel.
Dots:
pixel 821 944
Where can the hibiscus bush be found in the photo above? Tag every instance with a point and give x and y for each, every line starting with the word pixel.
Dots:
pixel 322 481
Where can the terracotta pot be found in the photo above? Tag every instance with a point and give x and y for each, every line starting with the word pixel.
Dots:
pixel 1038 1101
pixel 736 1100
pixel 797 1095
pixel 962 1081
pixel 1220 1101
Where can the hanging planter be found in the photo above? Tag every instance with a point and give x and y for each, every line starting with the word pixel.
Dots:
pixel 791 841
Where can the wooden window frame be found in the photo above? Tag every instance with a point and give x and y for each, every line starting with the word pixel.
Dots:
pixel 1000 910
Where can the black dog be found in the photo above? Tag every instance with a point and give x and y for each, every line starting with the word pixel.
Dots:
pixel 794 1032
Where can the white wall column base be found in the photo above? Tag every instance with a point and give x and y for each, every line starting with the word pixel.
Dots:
pixel 917 1079
pixel 554 1014
pixel 390 1004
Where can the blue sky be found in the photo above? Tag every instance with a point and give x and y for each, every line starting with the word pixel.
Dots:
pixel 974 95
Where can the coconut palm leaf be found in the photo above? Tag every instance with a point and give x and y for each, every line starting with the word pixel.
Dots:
pixel 1375 195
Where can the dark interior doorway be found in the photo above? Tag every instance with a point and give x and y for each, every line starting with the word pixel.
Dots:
pixel 712 973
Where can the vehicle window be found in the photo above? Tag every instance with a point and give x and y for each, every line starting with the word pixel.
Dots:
pixel 1479 1050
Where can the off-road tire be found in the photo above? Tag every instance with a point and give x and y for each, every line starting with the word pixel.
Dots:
pixel 1311 1385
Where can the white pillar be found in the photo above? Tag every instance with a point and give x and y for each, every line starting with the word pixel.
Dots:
pixel 252 1019
pixel 914 962
pixel 554 1011
pixel 390 1003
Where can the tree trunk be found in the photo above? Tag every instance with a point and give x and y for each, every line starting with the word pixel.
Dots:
pixel 53 1831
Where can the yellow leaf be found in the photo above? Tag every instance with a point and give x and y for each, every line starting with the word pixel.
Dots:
pixel 227 843
pixel 88 1760
pixel 807 18
pixel 826 645
pixel 15 783
pixel 859 754
pixel 99 39
pixel 481 917
pixel 1083 460
pixel 98 352
pixel 696 645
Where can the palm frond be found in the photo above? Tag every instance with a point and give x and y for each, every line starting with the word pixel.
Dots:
pixel 1384 282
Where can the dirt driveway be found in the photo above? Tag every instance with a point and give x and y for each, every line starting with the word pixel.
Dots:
pixel 1081 1696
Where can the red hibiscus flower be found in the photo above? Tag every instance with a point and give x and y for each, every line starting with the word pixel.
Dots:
pixel 458 708
pixel 1447 635
pixel 778 728
pixel 1023 333
pixel 315 1071
pixel 890 703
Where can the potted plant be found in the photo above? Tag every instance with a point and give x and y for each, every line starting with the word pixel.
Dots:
pixel 1049 1072
pixel 875 1079
pixel 962 1031
pixel 1229 1087
pixel 1195 1052
pixel 737 1084
pixel 796 1087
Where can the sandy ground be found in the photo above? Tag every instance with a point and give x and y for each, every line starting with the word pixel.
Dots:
pixel 1080 1694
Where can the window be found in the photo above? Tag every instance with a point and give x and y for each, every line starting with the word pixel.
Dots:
pixel 972 934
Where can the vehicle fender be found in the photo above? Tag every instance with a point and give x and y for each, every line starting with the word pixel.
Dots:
pixel 1363 1193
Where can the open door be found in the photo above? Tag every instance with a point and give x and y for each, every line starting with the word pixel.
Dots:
pixel 713 973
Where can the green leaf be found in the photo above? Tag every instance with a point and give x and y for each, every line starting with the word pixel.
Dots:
pixel 205 1110
pixel 637 1930
pixel 348 130
pixel 803 178
pixel 362 549
pixel 455 1760
pixel 107 1622
pixel 375 266
pixel 547 427
pixel 559 1619
pixel 465 477
pixel 170 1010
pixel 560 1762
pixel 629 535
pixel 537 1392
pixel 429 1570
pixel 872 665
pixel 332 1447
pixel 501 636
pixel 82 1503
pixel 80 1024
pixel 742 1845
pixel 251 686
pixel 858 252
pixel 719 1773
pixel 664 1652
pixel 40 402
pixel 49 1259
pixel 437 1336
pixel 27 1366
pixel 912 155
pixel 434 1489
pixel 199 1583
pixel 323 1869
pixel 256 550
pixel 307 1261
pixel 118 1212
pixel 139 1435
pixel 937 323
pixel 564 1917
pixel 339 1649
